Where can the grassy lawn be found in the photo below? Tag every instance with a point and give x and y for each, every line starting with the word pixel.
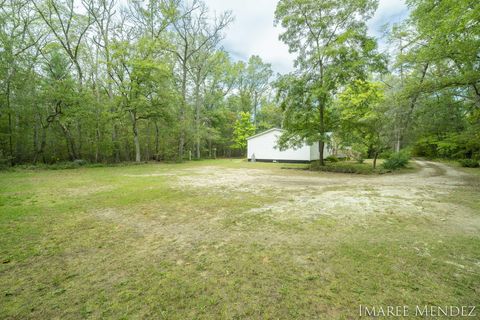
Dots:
pixel 162 241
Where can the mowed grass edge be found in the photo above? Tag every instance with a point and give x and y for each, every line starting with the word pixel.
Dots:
pixel 130 243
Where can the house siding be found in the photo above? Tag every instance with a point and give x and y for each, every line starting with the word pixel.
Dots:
pixel 264 148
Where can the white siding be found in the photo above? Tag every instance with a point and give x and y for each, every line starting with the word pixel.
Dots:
pixel 263 145
pixel 315 153
pixel 264 148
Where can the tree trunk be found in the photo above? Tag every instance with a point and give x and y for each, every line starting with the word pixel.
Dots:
pixel 80 140
pixel 398 142
pixel 210 148
pixel 147 149
pixel 156 141
pixel 70 143
pixel 321 147
pixel 116 147
pixel 41 148
pixel 375 156
pixel 321 143
pixel 136 141
pixel 35 139
pixel 10 131
pixel 255 102
pixel 181 141
pixel 97 148
pixel 197 119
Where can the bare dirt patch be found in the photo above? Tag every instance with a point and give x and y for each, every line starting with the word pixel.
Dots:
pixel 310 194
pixel 163 174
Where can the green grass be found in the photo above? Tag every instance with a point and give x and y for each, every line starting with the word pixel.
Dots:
pixel 130 242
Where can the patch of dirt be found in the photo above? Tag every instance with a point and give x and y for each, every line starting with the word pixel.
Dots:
pixel 306 194
pixel 149 175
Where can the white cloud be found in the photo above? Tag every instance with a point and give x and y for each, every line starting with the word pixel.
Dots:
pixel 388 13
pixel 253 32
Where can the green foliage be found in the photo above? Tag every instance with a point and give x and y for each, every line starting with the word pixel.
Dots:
pixel 396 161
pixel 82 80
pixel 346 167
pixel 80 162
pixel 242 130
pixel 332 158
pixel 447 38
pixel 469 163
pixel 86 81
pixel 333 49
pixel 451 146
pixel 362 116
pixel 358 152
pixel 438 91
pixel 269 116
pixel 386 154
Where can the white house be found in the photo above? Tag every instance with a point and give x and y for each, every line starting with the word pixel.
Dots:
pixel 263 147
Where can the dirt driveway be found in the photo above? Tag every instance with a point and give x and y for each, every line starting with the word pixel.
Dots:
pixel 305 194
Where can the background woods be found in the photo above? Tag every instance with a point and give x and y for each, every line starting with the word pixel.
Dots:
pixel 110 81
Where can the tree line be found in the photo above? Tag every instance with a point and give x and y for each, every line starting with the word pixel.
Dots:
pixel 423 94
pixel 108 81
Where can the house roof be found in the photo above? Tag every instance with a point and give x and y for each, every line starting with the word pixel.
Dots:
pixel 265 132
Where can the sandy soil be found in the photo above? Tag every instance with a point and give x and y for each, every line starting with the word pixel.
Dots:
pixel 308 194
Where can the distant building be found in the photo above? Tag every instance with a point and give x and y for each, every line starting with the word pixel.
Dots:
pixel 263 147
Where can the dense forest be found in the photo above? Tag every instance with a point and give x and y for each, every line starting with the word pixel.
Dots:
pixel 112 81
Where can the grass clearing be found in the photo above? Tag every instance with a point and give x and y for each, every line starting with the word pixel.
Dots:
pixel 231 239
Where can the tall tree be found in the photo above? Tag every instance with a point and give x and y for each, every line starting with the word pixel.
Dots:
pixel 362 116
pixel 243 129
pixel 193 32
pixel 16 38
pixel 329 38
pixel 139 76
pixel 254 83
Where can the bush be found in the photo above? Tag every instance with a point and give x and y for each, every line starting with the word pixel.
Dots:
pixel 345 167
pixel 385 154
pixel 396 161
pixel 469 163
pixel 80 162
pixel 4 164
pixel 331 159
pixel 358 152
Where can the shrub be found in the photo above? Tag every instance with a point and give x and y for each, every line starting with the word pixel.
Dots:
pixel 358 152
pixel 4 164
pixel 345 167
pixel 80 162
pixel 396 161
pixel 469 163
pixel 385 154
pixel 331 159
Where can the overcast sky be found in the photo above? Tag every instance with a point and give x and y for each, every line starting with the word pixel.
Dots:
pixel 253 32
